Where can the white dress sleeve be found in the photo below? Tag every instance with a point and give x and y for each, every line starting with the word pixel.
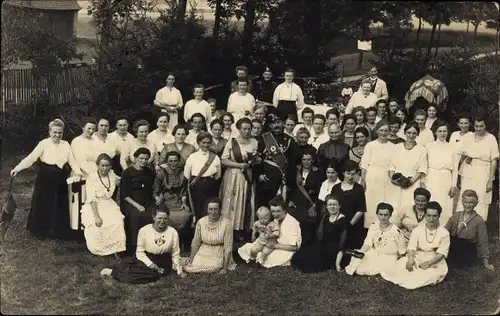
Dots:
pixel 91 187
pixel 29 160
pixel 141 246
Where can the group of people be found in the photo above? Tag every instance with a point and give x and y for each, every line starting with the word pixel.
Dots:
pixel 364 189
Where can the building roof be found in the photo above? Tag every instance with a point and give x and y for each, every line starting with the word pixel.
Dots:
pixel 63 5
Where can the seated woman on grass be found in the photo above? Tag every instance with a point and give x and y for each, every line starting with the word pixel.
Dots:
pixel 156 255
pixel 469 237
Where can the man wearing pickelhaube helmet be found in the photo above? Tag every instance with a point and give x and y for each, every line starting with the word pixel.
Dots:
pixel 264 88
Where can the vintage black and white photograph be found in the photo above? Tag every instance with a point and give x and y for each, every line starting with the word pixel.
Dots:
pixel 249 157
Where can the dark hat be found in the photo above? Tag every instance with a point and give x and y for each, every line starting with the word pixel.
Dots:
pixel 271 118
pixel 267 70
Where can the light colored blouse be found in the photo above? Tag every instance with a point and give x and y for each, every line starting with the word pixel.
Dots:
pixel 326 188
pixel 107 146
pixel 169 96
pixel 288 92
pixel 239 103
pixel 52 154
pixel 441 156
pixel 406 220
pixel 159 138
pixel 359 99
pixel 191 138
pixel 195 163
pixel 133 146
pixel 96 190
pixel 423 239
pixel 482 152
pixel 193 106
pixel 149 240
pixel 245 149
pixel 316 140
pixel 377 155
pixel 85 151
pixel 409 162
pixel 123 142
pixel 389 241
pixel 425 137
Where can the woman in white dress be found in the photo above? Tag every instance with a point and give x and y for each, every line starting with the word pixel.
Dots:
pixel 162 135
pixel 425 135
pixel 241 103
pixel 464 129
pixel 104 143
pixel 289 240
pixel 382 246
pixel 101 216
pixel 169 99
pixel 374 172
pixel 141 129
pixel 238 187
pixel 408 159
pixel 441 178
pixel 425 262
pixel 229 130
pixel 479 155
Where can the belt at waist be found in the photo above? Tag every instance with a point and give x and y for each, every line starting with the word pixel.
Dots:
pixel 203 178
pixel 287 102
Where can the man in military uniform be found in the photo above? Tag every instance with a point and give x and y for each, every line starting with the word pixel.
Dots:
pixel 276 174
pixel 264 88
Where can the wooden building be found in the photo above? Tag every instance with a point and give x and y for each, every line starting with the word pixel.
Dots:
pixel 57 16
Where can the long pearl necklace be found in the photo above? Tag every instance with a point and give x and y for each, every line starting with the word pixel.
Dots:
pixel 427 233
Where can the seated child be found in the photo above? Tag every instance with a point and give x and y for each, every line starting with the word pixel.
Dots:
pixel 268 231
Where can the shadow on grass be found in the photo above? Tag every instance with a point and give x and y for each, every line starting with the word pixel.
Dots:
pixel 55 277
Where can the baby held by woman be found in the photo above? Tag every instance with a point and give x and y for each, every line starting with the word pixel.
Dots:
pixel 265 231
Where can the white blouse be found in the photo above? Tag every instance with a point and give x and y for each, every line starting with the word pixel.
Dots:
pixel 97 190
pixel 133 146
pixel 149 240
pixel 299 126
pixel 191 138
pixel 377 155
pixel 316 140
pixel 197 160
pixel 409 162
pixel 169 96
pixel 288 92
pixel 326 188
pixel 159 138
pixel 107 146
pixel 359 99
pixel 122 142
pixel 425 137
pixel 85 151
pixel 390 241
pixel 423 239
pixel 193 106
pixel 238 104
pixel 52 154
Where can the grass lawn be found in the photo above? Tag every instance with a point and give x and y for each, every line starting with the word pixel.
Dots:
pixel 53 277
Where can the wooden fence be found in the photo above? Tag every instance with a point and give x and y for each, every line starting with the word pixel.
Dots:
pixel 20 86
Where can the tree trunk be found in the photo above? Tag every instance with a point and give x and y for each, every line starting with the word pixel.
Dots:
pixel 314 36
pixel 419 30
pixel 248 28
pixel 433 33
pixel 105 34
pixel 476 26
pixel 217 22
pixel 181 9
pixel 438 39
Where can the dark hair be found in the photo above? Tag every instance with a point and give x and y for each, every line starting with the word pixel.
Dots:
pixel 332 197
pixel 350 165
pixel 420 112
pixel 289 70
pixel 103 119
pixel 392 99
pixel 103 156
pixel 371 109
pixel 211 100
pixel 228 114
pixel 256 121
pixel 479 117
pixel 199 115
pixel 437 124
pixel 385 206
pixel 412 124
pixel 346 118
pixel 87 120
pixel 178 127
pixel 243 120
pixel 319 116
pixel 380 101
pixel 243 79
pixel 170 74
pixel 359 109
pixel 198 86
pixel 242 67
pixel 332 163
pixel 305 111
pixel 164 114
pixel 121 117
pixel 422 191
pixel 309 153
pixel 303 130
pixel 140 123
pixel 470 193
pixel 203 135
pixel 162 208
pixel 463 115
pixel 215 122
pixel 433 205
pixel 292 117
pixel 214 199
pixel 142 151
pixel 278 201
pixel 393 119
pixel 172 153
pixel 332 111
pixel 363 130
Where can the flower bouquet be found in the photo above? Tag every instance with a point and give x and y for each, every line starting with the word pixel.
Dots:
pixel 253 158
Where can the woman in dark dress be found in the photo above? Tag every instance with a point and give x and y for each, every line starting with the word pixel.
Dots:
pixel 302 137
pixel 353 205
pixel 136 192
pixel 304 196
pixel 49 211
pixel 327 250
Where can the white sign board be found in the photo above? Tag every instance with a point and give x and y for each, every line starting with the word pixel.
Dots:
pixel 365 46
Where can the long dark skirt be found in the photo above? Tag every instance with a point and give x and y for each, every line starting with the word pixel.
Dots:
pixel 200 192
pixel 115 165
pixel 462 253
pixel 286 108
pixel 49 211
pixel 133 271
pixel 134 221
pixel 315 257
